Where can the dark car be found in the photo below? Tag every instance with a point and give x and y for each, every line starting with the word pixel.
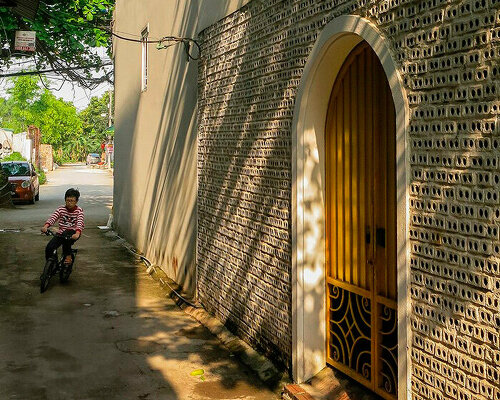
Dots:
pixel 93 158
pixel 23 180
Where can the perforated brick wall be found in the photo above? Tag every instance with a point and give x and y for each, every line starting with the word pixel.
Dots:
pixel 448 54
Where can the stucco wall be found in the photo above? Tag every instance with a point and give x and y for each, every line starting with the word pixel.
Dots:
pixel 46 157
pixel 447 53
pixel 155 131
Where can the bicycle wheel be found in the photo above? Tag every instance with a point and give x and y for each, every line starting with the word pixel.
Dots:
pixel 46 274
pixel 65 271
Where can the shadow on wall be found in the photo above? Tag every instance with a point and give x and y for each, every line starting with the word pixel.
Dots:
pixel 155 197
pixel 244 238
pixel 155 201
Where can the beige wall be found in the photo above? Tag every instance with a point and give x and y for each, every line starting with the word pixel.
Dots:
pixel 155 161
pixel 265 81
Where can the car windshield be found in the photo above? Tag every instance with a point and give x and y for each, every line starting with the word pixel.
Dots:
pixel 15 169
pixel 94 155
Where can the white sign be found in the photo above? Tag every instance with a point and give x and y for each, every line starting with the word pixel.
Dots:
pixel 25 41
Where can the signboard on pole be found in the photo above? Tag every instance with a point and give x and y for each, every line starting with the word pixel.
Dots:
pixel 25 40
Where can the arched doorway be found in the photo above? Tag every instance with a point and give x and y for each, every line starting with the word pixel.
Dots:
pixel 360 211
pixel 309 297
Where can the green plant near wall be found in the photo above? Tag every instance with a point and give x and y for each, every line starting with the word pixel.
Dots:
pixel 42 178
pixel 15 156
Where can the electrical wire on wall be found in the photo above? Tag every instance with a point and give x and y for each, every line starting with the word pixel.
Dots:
pixel 80 73
pixel 165 42
pixel 186 41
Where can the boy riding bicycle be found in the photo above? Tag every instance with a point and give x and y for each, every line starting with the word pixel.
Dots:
pixel 71 223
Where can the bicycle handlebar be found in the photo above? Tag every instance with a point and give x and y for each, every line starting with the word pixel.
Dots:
pixel 50 233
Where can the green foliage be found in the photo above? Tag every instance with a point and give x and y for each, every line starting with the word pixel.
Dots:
pixel 67 33
pixel 95 121
pixel 60 158
pixel 59 123
pixel 42 178
pixel 17 111
pixel 15 156
pixel 29 104
pixel 72 135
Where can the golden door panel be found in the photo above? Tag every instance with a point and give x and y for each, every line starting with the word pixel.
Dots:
pixel 361 224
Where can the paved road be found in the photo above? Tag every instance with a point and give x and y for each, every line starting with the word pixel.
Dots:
pixel 96 188
pixel 109 333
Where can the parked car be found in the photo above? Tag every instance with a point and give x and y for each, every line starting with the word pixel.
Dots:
pixel 23 180
pixel 93 158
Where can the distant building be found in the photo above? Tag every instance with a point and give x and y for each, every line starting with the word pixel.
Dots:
pixel 22 144
pixel 6 142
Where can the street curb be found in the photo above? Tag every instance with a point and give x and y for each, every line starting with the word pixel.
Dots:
pixel 258 363
pixel 298 392
pixel 295 392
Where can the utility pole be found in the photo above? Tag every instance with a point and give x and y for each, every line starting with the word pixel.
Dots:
pixel 109 108
pixel 34 135
pixel 109 141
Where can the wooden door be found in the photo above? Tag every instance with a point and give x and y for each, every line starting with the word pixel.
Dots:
pixel 361 220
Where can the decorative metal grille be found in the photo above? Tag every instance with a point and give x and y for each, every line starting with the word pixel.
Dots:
pixel 350 331
pixel 353 346
pixel 388 351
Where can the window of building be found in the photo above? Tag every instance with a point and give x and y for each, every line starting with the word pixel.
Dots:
pixel 144 46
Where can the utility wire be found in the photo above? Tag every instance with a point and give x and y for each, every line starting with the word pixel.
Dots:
pixel 185 40
pixel 114 33
pixel 59 67
pixel 23 73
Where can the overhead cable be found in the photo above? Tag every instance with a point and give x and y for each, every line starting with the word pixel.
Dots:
pixel 23 73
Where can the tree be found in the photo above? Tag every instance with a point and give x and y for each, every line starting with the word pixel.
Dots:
pixel 58 120
pixel 17 111
pixel 59 124
pixel 95 121
pixel 67 33
pixel 71 134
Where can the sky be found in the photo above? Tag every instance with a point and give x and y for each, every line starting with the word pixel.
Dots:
pixel 68 91
pixel 79 96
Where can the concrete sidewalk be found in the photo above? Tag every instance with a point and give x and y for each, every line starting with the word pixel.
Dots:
pixel 112 332
pixel 326 385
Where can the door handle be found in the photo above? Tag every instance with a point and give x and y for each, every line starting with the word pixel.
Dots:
pixel 380 237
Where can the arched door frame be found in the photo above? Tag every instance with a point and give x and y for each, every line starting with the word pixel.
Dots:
pixel 332 47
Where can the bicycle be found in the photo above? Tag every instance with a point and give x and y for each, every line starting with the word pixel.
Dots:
pixel 55 265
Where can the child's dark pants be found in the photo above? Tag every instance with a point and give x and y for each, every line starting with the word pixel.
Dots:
pixel 55 242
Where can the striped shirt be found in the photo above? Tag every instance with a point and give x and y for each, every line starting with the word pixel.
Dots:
pixel 67 219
